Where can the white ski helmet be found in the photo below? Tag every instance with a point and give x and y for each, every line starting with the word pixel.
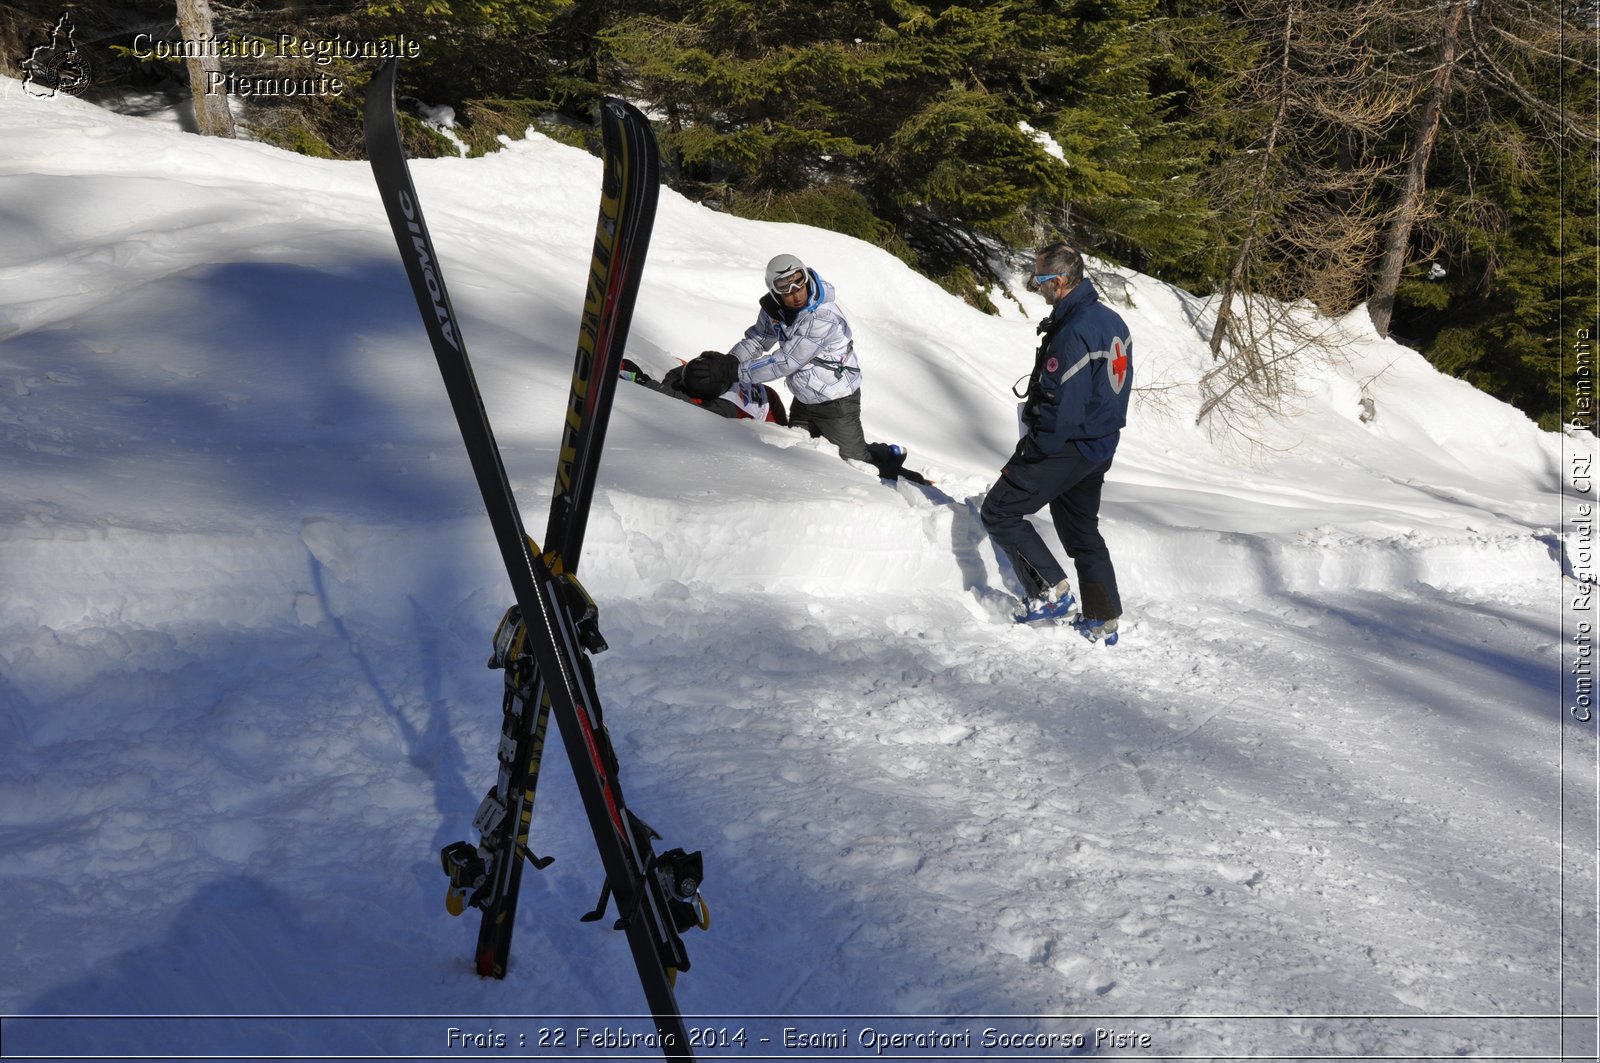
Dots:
pixel 780 267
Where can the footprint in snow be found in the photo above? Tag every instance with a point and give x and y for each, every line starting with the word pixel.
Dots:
pixel 945 734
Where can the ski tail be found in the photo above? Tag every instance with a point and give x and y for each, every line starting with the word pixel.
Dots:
pixel 505 818
pixel 630 186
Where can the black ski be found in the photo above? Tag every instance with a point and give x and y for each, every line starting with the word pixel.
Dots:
pixel 629 188
pixel 545 640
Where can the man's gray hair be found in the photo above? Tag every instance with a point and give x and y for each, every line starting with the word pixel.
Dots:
pixel 1061 258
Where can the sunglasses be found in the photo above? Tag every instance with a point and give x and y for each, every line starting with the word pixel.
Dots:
pixel 791 285
pixel 1040 278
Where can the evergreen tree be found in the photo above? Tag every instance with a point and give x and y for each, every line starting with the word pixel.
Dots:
pixel 942 133
pixel 1165 134
pixel 1501 264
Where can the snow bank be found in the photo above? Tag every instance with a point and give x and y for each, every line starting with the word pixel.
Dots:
pixel 249 589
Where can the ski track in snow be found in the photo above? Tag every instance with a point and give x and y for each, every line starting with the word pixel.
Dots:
pixel 250 591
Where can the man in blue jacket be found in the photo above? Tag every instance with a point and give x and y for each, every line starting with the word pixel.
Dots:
pixel 1072 418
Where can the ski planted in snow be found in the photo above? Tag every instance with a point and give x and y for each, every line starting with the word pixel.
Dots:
pixel 545 640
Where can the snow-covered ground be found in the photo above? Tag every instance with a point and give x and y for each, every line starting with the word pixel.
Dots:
pixel 1323 801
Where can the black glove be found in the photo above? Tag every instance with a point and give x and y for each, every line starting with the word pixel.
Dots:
pixel 709 375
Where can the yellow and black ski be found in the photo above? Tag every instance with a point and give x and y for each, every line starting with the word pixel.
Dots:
pixel 545 641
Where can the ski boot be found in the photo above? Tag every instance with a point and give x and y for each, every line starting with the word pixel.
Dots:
pixel 1057 603
pixel 1097 630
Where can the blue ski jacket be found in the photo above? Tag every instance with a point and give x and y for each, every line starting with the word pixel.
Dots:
pixel 1082 377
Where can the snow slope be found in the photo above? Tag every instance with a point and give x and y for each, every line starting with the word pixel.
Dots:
pixel 1311 807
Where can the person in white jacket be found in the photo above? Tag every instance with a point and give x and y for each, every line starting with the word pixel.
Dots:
pixel 802 335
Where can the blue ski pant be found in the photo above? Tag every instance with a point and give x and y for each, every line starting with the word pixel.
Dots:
pixel 1070 485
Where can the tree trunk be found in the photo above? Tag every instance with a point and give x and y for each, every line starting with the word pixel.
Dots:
pixel 211 114
pixel 1235 279
pixel 1397 244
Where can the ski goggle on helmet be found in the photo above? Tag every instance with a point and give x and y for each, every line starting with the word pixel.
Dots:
pixel 786 274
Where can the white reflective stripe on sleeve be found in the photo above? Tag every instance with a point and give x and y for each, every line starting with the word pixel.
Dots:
pixel 1085 360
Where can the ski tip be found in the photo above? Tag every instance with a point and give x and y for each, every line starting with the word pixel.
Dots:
pixel 378 110
pixel 384 77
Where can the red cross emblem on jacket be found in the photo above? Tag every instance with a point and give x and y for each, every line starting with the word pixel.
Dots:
pixel 1119 365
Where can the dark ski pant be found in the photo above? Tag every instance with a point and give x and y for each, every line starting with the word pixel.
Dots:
pixel 1070 485
pixel 837 420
